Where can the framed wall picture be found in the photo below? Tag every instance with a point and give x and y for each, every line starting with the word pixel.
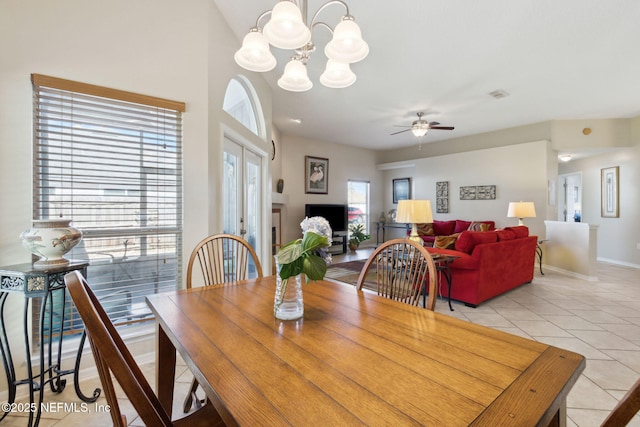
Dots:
pixel 609 192
pixel 316 175
pixel 401 189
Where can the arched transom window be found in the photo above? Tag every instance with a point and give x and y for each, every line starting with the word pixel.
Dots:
pixel 241 102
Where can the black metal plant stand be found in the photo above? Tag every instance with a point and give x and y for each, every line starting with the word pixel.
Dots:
pixel 43 284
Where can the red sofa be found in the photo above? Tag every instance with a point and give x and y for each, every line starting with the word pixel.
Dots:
pixel 430 231
pixel 489 264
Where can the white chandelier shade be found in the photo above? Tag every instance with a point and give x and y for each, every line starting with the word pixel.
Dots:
pixel 295 78
pixel 286 29
pixel 347 44
pixel 255 55
pixel 337 75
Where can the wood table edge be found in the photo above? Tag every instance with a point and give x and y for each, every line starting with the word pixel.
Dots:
pixel 554 365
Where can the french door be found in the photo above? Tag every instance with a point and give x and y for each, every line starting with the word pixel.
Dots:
pixel 242 195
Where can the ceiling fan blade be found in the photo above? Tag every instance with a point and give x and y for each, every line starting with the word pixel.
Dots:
pixel 395 133
pixel 442 127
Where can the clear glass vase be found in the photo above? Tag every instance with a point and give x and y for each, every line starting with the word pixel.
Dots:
pixel 288 303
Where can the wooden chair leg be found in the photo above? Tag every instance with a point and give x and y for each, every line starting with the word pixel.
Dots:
pixel 192 398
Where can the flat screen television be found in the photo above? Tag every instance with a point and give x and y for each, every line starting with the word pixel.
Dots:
pixel 335 214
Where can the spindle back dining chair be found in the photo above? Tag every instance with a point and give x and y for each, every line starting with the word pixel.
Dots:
pixel 220 259
pixel 404 270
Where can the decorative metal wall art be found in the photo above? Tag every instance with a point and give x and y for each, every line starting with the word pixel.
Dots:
pixel 442 197
pixel 478 192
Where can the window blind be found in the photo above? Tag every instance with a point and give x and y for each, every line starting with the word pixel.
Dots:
pixel 112 162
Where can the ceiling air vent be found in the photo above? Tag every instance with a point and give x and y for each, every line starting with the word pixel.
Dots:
pixel 499 94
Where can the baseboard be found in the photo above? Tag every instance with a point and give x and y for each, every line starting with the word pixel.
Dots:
pixel 616 262
pixel 570 273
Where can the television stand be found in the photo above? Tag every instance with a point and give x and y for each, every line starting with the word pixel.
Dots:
pixel 338 240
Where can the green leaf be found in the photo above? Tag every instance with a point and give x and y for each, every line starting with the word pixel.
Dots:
pixel 292 269
pixel 314 267
pixel 290 252
pixel 313 241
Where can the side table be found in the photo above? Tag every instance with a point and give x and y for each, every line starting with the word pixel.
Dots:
pixel 442 266
pixel 43 284
pixel 539 253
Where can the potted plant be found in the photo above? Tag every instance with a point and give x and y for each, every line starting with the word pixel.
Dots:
pixel 357 236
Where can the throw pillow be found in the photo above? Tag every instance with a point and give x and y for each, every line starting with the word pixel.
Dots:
pixel 446 242
pixel 521 231
pixel 505 234
pixel 469 239
pixel 461 226
pixel 479 226
pixel 443 228
pixel 426 229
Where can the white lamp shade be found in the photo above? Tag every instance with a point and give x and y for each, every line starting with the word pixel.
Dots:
pixel 521 210
pixel 254 55
pixel 285 29
pixel 414 211
pixel 347 44
pixel 295 78
pixel 337 75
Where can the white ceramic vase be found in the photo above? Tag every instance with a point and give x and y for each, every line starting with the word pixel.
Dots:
pixel 51 239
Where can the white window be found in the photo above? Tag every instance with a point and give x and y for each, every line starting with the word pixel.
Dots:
pixel 358 199
pixel 111 161
pixel 240 105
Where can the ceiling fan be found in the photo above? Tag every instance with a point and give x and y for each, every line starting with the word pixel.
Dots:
pixel 421 127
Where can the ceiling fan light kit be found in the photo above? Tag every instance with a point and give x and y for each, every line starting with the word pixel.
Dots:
pixel 286 29
pixel 420 127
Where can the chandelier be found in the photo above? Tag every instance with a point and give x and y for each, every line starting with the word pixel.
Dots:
pixel 286 29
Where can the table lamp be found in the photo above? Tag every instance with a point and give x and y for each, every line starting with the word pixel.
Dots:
pixel 414 212
pixel 521 210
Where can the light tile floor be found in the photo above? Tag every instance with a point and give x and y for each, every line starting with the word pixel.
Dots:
pixel 599 319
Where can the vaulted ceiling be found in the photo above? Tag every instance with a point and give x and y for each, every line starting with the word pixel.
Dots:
pixel 556 60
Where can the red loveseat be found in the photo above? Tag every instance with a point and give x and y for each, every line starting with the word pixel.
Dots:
pixel 430 231
pixel 489 264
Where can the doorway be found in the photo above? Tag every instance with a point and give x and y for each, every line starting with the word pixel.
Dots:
pixel 570 190
pixel 242 194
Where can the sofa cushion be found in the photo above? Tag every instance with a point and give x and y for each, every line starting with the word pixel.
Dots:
pixel 446 242
pixel 461 226
pixel 443 228
pixel 482 226
pixel 469 239
pixel 521 231
pixel 425 229
pixel 505 234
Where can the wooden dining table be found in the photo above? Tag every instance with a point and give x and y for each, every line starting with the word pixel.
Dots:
pixel 355 358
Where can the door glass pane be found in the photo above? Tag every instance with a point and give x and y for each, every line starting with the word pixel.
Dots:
pixel 252 191
pixel 230 193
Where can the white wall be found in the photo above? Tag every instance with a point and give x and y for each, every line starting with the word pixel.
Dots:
pixel 617 237
pixel 518 171
pixel 345 162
